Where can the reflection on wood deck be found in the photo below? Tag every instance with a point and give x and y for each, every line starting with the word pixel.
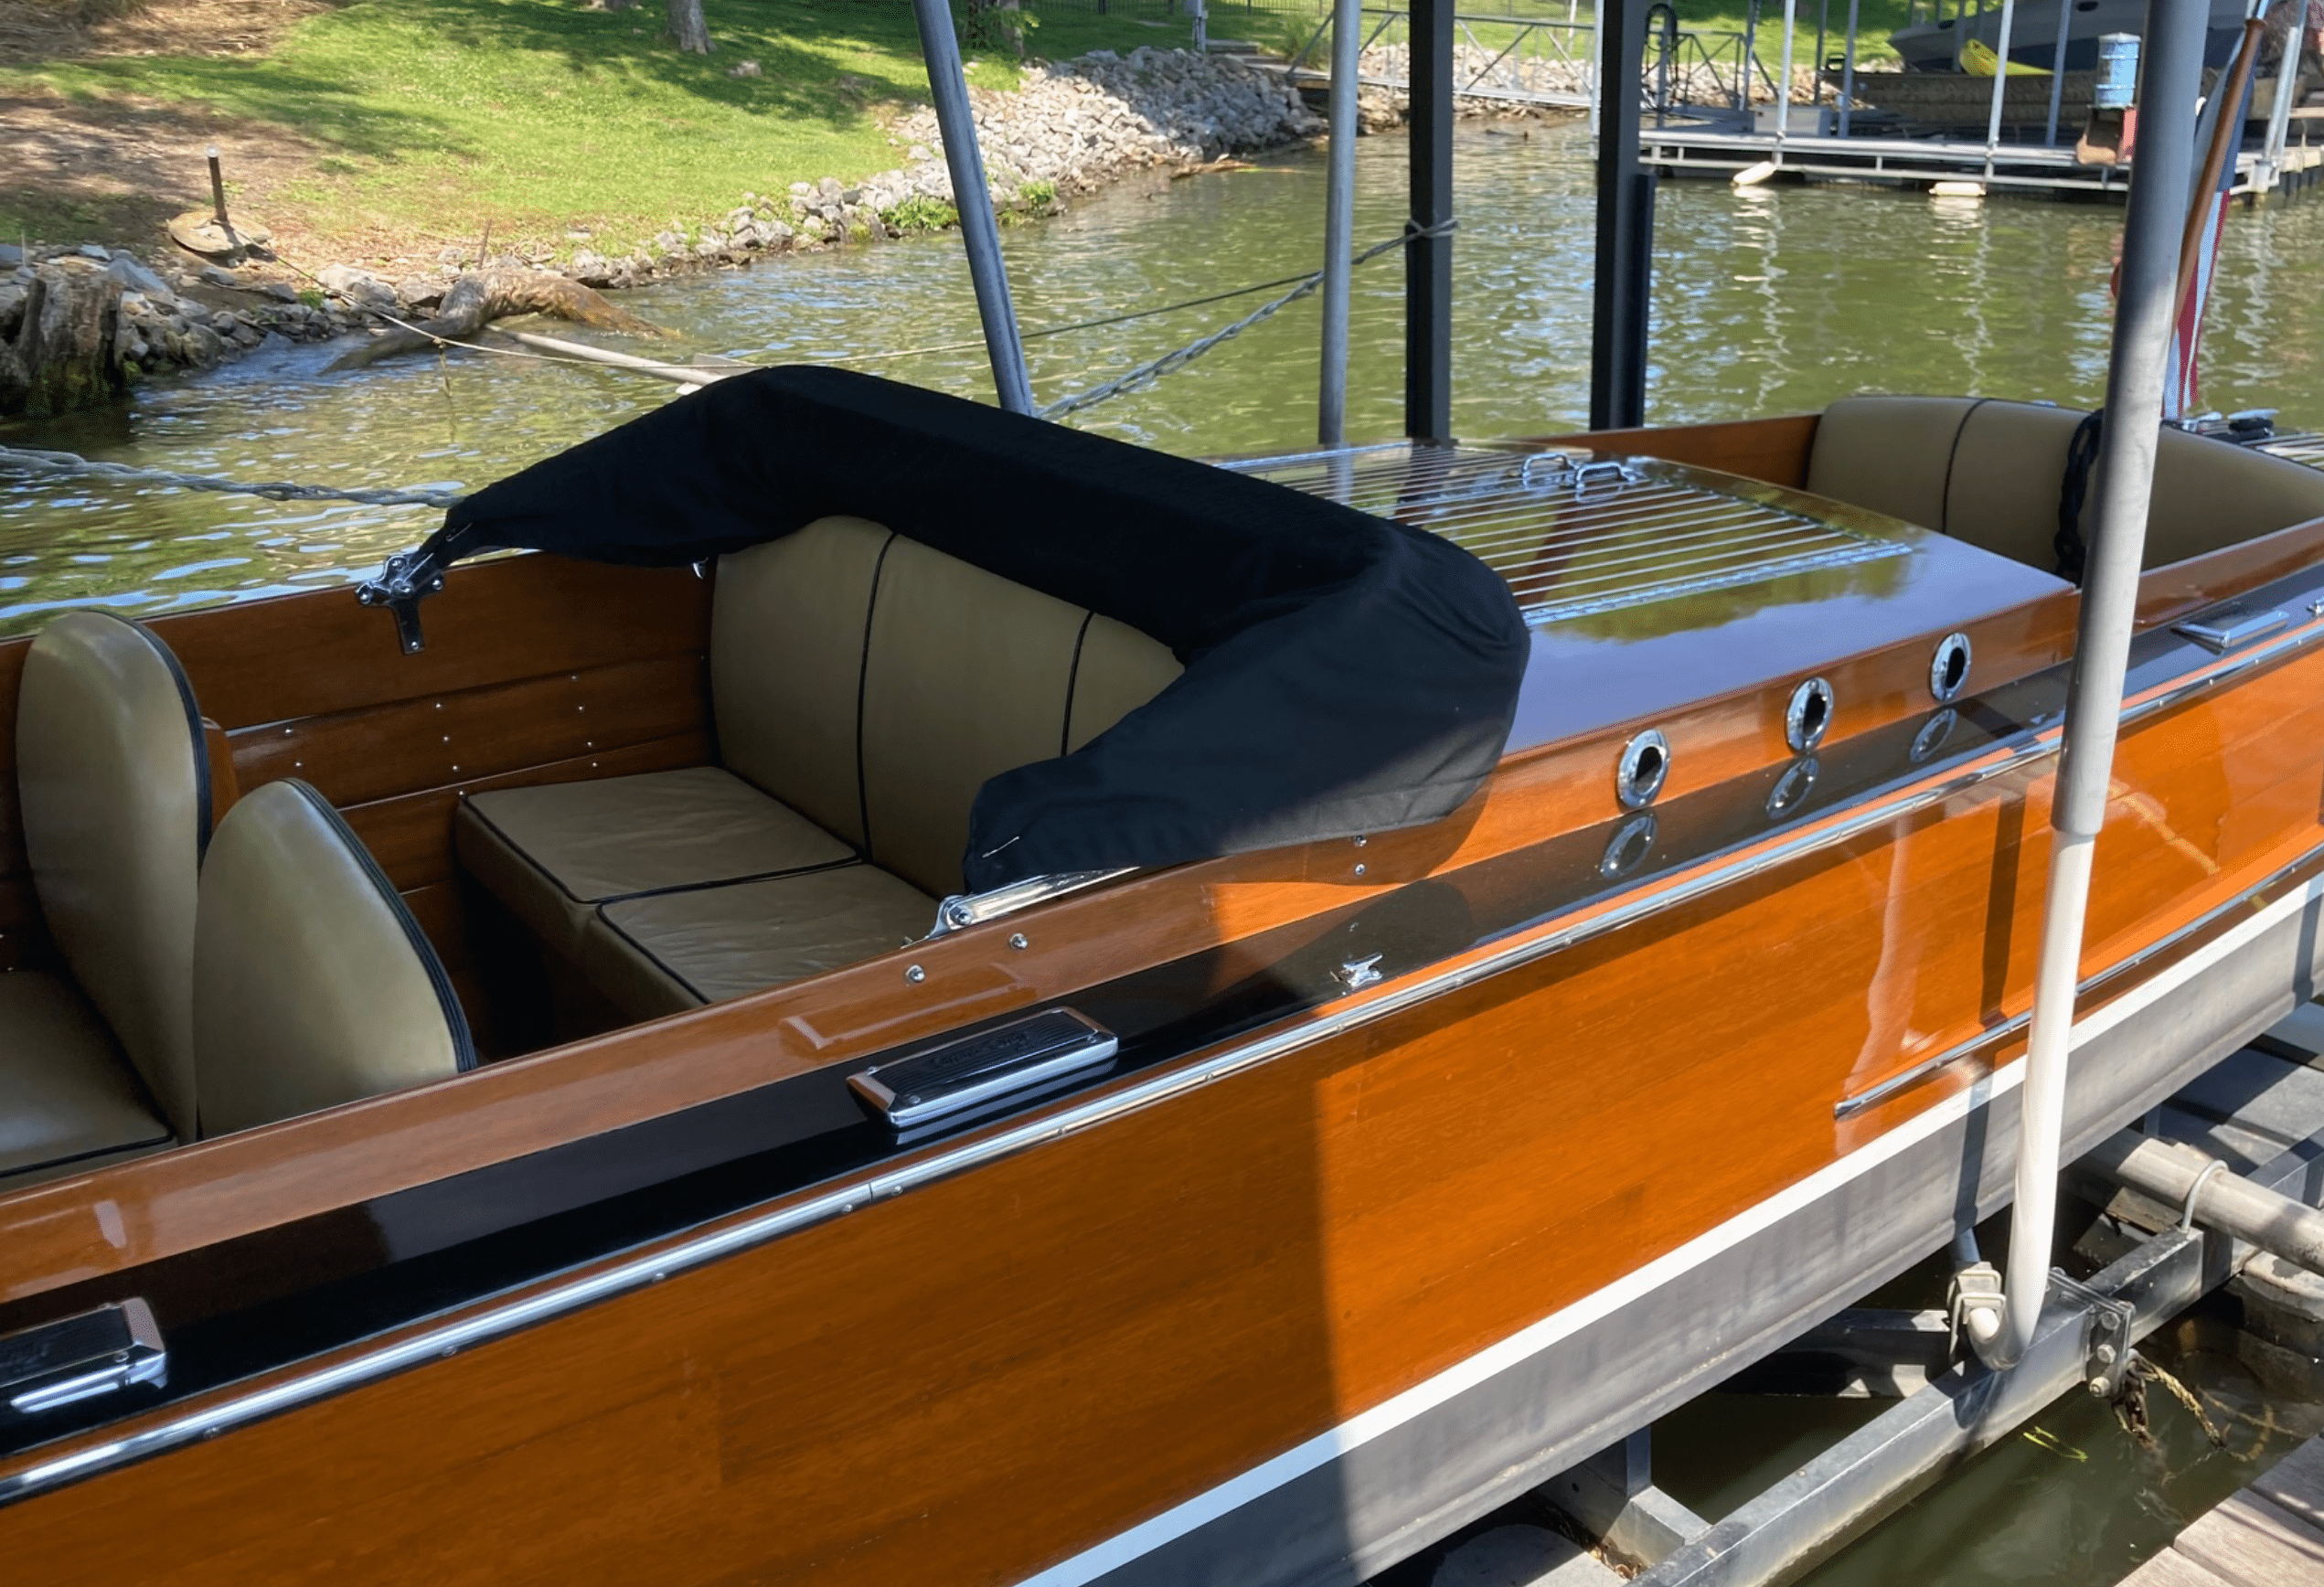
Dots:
pixel 2270 1535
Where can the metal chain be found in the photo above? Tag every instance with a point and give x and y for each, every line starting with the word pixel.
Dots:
pixel 1171 362
pixel 64 464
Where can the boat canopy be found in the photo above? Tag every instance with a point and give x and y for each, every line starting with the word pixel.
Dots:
pixel 1343 673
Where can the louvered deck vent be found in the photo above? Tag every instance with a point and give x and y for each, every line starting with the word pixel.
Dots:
pixel 1574 535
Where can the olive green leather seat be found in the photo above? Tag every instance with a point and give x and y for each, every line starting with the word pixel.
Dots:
pixel 864 688
pixel 1990 472
pixel 313 985
pixel 96 1063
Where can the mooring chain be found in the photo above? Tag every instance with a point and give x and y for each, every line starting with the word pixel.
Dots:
pixel 66 465
pixel 1179 358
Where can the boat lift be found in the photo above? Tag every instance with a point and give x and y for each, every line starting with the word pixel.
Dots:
pixel 2020 1340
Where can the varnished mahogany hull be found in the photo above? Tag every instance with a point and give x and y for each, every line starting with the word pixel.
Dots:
pixel 1291 1320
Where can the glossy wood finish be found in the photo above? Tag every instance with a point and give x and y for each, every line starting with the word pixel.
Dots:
pixel 1773 449
pixel 178 1201
pixel 986 1373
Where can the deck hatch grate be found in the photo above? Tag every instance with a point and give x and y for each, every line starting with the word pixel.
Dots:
pixel 1575 536
pixel 2298 446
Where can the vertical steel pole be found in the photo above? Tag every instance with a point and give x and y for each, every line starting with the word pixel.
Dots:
pixel 1339 219
pixel 1750 53
pixel 2001 85
pixel 1428 260
pixel 1783 97
pixel 1624 276
pixel 2279 118
pixel 2058 72
pixel 1847 69
pixel 978 231
pixel 2122 489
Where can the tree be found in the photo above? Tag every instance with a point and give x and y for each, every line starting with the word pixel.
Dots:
pixel 693 34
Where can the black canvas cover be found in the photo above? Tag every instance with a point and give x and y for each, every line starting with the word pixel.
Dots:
pixel 1344 673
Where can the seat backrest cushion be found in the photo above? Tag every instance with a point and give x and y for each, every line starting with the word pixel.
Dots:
pixel 787 633
pixel 114 782
pixel 874 685
pixel 1891 455
pixel 2211 493
pixel 1990 472
pixel 313 985
pixel 967 676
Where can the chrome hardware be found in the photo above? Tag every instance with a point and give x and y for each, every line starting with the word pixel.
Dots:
pixel 403 581
pixel 915 975
pixel 1358 973
pixel 961 1073
pixel 2231 626
pixel 1563 471
pixel 1020 940
pixel 1646 765
pixel 1792 788
pixel 1949 667
pixel 1933 734
pixel 1809 717
pixel 964 910
pixel 1632 842
pixel 81 1357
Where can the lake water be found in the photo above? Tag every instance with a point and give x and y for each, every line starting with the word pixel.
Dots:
pixel 1767 301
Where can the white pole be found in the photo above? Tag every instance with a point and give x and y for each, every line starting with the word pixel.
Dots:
pixel 1783 106
pixel 2001 85
pixel 1339 219
pixel 2124 485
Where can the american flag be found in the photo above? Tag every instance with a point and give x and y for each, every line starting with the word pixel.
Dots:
pixel 2179 396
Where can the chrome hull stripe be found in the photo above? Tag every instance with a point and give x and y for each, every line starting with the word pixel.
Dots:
pixel 495 1321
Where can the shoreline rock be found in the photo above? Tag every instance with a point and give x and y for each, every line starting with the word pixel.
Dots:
pixel 1068 129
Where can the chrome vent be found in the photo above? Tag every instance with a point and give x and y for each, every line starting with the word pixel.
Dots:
pixel 1576 534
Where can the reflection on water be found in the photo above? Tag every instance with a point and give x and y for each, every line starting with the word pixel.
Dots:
pixel 1766 301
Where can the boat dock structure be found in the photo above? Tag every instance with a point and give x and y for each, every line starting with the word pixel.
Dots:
pixel 2270 1535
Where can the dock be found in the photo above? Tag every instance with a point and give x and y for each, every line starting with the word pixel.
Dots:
pixel 1711 146
pixel 2269 1535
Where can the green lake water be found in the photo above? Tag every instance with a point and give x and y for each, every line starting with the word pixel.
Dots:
pixel 1767 301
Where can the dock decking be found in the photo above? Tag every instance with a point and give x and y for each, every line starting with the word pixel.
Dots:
pixel 2269 1535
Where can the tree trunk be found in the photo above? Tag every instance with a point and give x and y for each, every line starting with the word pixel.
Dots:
pixel 687 26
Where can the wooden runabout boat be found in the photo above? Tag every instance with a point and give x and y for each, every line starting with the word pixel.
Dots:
pixel 904 1055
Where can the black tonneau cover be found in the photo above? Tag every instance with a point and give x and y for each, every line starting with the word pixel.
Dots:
pixel 1343 673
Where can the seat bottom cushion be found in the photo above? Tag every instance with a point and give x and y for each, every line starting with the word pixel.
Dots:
pixel 554 853
pixel 671 951
pixel 68 1100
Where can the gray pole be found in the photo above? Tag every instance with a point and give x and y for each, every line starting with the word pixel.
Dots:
pixel 2124 484
pixel 1783 100
pixel 1847 69
pixel 2001 85
pixel 2279 119
pixel 949 88
pixel 2058 72
pixel 1339 219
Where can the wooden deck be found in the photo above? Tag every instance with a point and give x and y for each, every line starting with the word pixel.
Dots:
pixel 2270 1535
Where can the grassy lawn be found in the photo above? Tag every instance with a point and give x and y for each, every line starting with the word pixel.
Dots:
pixel 422 120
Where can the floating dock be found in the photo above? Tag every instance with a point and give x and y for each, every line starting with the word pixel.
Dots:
pixel 2269 1535
pixel 1725 145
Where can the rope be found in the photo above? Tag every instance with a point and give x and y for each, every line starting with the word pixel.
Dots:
pixel 64 464
pixel 1171 362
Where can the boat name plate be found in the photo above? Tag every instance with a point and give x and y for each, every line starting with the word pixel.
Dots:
pixel 940 1081
pixel 80 1357
pixel 2231 626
